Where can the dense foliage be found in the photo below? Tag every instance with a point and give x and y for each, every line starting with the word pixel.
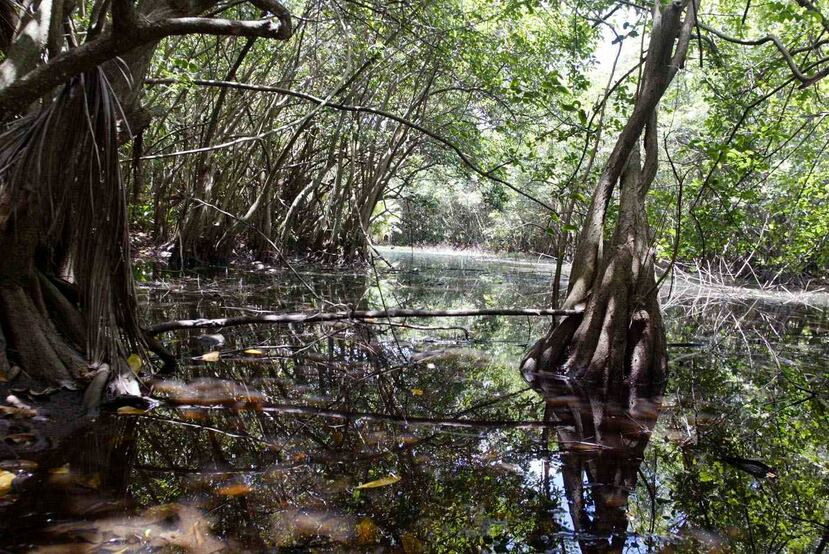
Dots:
pixel 530 94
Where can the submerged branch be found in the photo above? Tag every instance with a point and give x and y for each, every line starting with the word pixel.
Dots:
pixel 296 409
pixel 320 317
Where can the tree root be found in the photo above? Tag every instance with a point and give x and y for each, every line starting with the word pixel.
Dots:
pixel 43 354
pixel 5 366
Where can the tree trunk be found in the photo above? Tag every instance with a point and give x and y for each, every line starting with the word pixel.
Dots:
pixel 63 204
pixel 620 339
pixel 60 173
pixel 42 328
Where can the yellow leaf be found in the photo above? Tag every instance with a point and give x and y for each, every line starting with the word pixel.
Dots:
pixel 129 410
pixel 411 544
pixel 19 413
pixel 62 470
pixel 367 532
pixel 6 478
pixel 93 481
pixel 385 481
pixel 210 357
pixel 237 489
pixel 134 361
pixel 417 392
pixel 254 352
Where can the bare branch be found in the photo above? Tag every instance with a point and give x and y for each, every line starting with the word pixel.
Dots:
pixel 364 109
pixel 805 80
pixel 320 317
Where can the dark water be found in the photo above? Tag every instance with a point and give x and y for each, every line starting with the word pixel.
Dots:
pixel 423 437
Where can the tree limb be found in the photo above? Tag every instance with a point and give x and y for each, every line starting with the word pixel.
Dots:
pixel 363 109
pixel 805 80
pixel 320 317
pixel 128 34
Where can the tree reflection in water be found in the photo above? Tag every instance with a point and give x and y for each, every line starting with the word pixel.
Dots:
pixel 263 450
pixel 601 442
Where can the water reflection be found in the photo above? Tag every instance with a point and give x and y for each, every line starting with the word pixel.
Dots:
pixel 601 442
pixel 267 446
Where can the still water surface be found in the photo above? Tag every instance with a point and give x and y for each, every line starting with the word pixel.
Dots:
pixel 421 436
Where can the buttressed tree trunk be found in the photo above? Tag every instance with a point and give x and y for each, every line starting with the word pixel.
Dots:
pixel 67 307
pixel 619 339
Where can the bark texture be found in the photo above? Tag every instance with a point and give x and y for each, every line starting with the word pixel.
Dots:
pixel 67 308
pixel 620 337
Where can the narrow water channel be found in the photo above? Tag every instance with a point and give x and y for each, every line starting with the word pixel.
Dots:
pixel 420 435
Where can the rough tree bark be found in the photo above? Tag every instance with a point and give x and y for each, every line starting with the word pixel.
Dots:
pixel 620 339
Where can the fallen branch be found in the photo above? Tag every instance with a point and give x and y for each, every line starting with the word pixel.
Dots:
pixel 321 317
pixel 348 415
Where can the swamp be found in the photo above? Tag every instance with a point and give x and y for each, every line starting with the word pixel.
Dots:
pixel 414 276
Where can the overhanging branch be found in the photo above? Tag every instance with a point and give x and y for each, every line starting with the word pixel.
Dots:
pixel 363 109
pixel 805 80
pixel 127 34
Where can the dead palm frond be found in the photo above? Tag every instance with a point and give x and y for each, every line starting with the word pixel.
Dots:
pixel 59 166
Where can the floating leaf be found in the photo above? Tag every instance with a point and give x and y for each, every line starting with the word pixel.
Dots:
pixel 237 489
pixel 417 392
pixel 384 482
pixel 130 410
pixel 367 532
pixel 254 352
pixel 61 470
pixel 20 438
pixel 19 413
pixel 6 479
pixel 210 356
pixel 134 361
